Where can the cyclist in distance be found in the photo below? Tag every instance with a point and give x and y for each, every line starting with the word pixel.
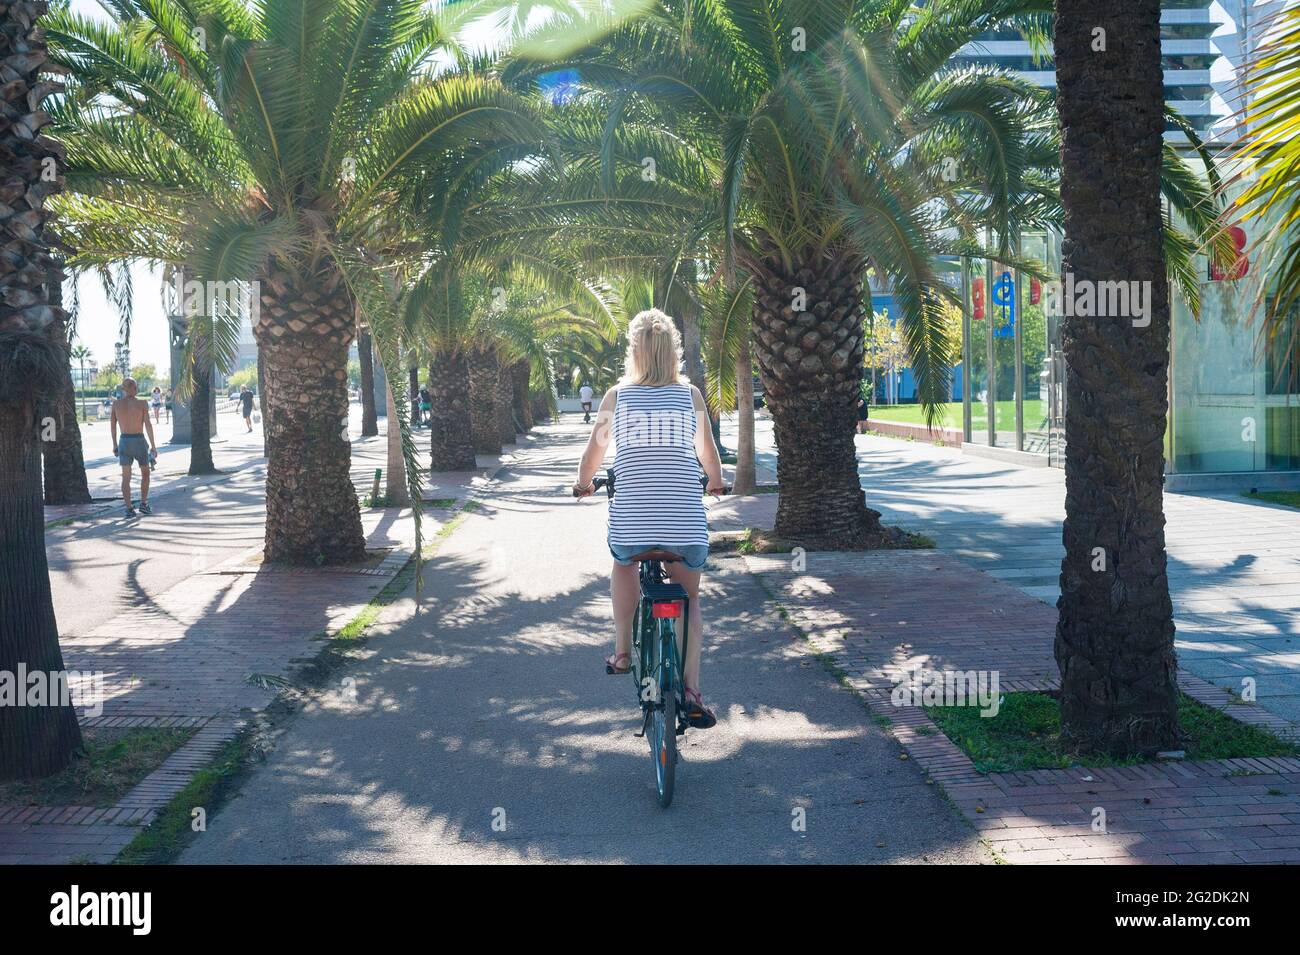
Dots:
pixel 660 428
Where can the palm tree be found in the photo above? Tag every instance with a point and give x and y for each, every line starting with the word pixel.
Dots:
pixel 369 413
pixel 268 144
pixel 64 463
pixel 730 368
pixel 826 122
pixel 81 354
pixel 34 740
pixel 1115 633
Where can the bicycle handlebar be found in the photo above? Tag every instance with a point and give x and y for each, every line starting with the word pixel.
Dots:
pixel 608 482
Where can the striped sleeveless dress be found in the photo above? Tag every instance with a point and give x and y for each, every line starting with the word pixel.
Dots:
pixel 657 496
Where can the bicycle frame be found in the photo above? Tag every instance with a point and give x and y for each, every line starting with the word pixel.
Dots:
pixel 659 659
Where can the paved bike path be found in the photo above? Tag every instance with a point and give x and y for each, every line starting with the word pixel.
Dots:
pixel 491 707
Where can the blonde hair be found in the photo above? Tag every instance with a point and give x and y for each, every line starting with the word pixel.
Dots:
pixel 654 350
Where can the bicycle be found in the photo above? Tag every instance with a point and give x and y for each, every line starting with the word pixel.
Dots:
pixel 656 662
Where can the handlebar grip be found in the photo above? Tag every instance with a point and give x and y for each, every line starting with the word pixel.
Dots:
pixel 596 485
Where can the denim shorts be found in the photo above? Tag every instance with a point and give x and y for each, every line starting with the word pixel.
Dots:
pixel 133 447
pixel 694 555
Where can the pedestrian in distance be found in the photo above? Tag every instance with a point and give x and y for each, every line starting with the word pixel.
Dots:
pixel 246 406
pixel 131 414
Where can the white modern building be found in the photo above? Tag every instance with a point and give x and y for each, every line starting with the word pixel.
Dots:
pixel 1234 416
pixel 1203 43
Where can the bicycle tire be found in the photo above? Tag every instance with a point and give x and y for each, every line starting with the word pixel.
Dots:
pixel 664 750
pixel 663 735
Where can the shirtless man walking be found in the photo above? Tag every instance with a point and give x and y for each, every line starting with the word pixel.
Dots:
pixel 132 414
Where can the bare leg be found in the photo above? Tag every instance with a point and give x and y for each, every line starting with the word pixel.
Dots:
pixel 126 485
pixel 144 485
pixel 625 591
pixel 690 579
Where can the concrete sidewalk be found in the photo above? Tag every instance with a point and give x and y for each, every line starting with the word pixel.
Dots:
pixel 492 706
pixel 1234 564
pixel 188 629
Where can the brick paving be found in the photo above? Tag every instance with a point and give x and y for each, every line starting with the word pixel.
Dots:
pixel 207 652
pixel 1234 564
pixel 868 614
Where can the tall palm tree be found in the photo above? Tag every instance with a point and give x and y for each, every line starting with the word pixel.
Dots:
pixel 1115 633
pixel 64 463
pixel 366 357
pixel 728 308
pixel 825 121
pixel 81 354
pixel 34 740
pixel 265 143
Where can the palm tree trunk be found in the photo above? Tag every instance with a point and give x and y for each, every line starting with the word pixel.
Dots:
pixel 506 403
pixel 303 333
pixel 484 398
pixel 416 417
pixel 744 481
pixel 262 403
pixel 541 407
pixel 201 418
pixel 451 430
pixel 1115 633
pixel 369 413
pixel 397 493
pixel 65 466
pixel 809 363
pixel 522 373
pixel 35 740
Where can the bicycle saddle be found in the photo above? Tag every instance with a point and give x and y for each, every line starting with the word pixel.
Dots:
pixel 663 556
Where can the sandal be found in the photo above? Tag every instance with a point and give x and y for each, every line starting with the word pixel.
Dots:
pixel 611 664
pixel 698 715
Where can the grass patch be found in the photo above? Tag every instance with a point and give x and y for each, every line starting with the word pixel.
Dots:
pixel 115 760
pixel 1285 498
pixel 1026 735
pixel 61 522
pixel 1035 414
pixel 440 502
pixel 173 829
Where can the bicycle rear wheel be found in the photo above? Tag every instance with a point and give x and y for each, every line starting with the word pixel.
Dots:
pixel 663 748
pixel 663 722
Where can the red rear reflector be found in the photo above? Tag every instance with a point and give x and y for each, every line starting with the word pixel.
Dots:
pixel 669 609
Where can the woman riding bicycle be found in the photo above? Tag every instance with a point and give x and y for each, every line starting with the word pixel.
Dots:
pixel 659 425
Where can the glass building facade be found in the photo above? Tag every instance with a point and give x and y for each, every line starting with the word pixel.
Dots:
pixel 1234 397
